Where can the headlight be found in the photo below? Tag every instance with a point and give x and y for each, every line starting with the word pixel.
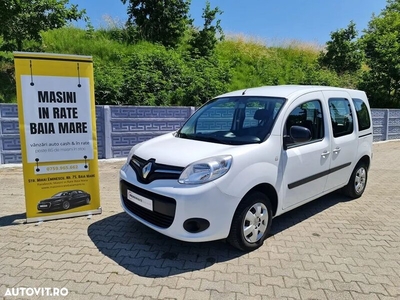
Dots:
pixel 206 170
pixel 134 148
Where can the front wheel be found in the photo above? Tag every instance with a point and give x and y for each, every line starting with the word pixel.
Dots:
pixel 358 181
pixel 66 204
pixel 251 222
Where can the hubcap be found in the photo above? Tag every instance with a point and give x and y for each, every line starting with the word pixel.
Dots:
pixel 255 222
pixel 359 182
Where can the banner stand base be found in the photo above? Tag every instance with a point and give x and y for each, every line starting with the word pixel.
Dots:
pixel 65 216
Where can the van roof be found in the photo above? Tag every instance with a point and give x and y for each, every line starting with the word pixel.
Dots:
pixel 286 91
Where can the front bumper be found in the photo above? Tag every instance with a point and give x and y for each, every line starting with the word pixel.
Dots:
pixel 44 206
pixel 172 204
pixel 49 206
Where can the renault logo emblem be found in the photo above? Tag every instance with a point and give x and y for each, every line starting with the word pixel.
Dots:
pixel 146 170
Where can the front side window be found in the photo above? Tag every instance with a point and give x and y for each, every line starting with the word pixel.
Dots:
pixel 308 115
pixel 363 119
pixel 233 120
pixel 341 116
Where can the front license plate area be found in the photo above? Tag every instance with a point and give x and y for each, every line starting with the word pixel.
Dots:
pixel 139 200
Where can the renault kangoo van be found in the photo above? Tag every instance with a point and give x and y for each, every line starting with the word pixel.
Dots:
pixel 246 157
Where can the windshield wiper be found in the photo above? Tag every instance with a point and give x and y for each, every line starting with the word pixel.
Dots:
pixel 201 137
pixel 208 138
pixel 222 140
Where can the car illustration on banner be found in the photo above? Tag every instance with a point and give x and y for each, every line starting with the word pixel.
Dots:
pixel 64 200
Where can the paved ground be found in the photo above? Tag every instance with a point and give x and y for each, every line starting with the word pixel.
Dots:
pixel 331 248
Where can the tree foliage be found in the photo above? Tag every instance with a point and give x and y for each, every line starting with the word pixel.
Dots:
pixel 159 21
pixel 23 20
pixel 203 41
pixel 342 51
pixel 381 43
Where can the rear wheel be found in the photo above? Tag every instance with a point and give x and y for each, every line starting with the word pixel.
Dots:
pixel 251 222
pixel 358 181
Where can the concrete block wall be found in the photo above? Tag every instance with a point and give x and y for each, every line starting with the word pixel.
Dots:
pixel 118 128
pixel 386 124
pixel 121 127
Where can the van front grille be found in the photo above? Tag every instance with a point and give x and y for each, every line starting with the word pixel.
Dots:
pixel 155 170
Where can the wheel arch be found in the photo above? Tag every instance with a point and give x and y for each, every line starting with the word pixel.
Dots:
pixel 270 192
pixel 366 160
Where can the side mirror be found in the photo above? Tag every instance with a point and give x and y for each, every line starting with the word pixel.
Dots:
pixel 300 134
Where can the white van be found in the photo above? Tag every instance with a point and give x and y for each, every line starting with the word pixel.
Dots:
pixel 246 157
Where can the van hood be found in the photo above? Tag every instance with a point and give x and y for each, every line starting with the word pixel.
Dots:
pixel 175 151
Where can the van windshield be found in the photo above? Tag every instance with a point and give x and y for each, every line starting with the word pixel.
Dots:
pixel 233 120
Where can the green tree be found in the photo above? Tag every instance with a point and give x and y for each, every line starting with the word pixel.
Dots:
pixel 342 51
pixel 204 41
pixel 159 21
pixel 381 43
pixel 23 20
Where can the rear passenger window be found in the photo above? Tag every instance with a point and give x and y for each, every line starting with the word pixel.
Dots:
pixel 309 115
pixel 363 119
pixel 341 116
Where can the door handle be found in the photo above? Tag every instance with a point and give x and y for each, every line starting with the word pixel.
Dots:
pixel 336 150
pixel 325 153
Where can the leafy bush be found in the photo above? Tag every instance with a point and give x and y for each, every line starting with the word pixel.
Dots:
pixel 109 80
pixel 166 77
pixel 254 64
pixel 7 78
pixel 149 74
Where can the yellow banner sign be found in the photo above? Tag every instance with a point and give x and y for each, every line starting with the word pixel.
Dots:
pixel 57 123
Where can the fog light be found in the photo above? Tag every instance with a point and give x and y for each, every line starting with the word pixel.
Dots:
pixel 196 225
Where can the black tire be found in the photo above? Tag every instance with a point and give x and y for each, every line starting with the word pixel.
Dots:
pixel 237 237
pixel 358 181
pixel 66 205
